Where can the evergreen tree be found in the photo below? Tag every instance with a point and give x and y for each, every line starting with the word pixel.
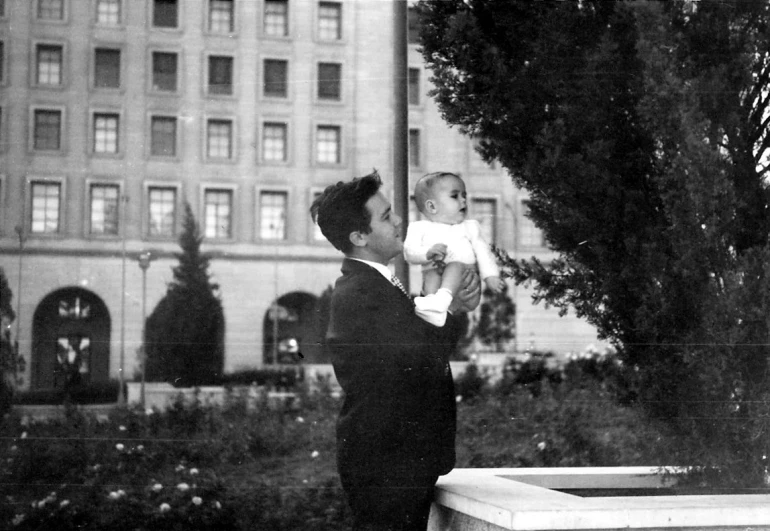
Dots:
pixel 496 324
pixel 639 129
pixel 185 332
pixel 7 352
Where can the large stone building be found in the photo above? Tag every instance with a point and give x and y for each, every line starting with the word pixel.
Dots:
pixel 114 113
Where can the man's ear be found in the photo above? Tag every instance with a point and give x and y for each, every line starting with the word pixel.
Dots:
pixel 358 239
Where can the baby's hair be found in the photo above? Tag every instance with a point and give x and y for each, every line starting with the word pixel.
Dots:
pixel 422 190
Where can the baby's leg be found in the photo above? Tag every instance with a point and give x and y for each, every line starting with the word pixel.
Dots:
pixel 434 305
pixel 452 278
pixel 431 281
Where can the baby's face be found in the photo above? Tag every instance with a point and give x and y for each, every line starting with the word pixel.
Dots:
pixel 449 200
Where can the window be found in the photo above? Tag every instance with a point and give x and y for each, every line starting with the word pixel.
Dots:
pixel 276 18
pixel 529 234
pixel 162 211
pixel 47 130
pixel 220 74
pixel 50 9
pixel 274 142
pixel 413 27
pixel 49 65
pixel 163 136
pixel 272 212
pixel 414 86
pixel 276 78
pixel 219 143
pixel 2 8
pixel 165 13
pixel 329 21
pixel 106 133
pixel 485 212
pixel 328 144
pixel 2 61
pixel 414 148
pixel 45 207
pixel 217 213
pixel 221 16
pixel 106 68
pixel 104 209
pixel 329 81
pixel 164 71
pixel 108 12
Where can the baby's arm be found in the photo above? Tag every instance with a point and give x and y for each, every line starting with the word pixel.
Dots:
pixel 485 259
pixel 415 250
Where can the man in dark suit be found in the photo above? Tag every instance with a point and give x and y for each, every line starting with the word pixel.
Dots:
pixel 396 429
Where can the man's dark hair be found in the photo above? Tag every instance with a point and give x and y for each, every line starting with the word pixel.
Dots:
pixel 341 209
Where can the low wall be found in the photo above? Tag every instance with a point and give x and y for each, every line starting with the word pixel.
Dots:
pixel 160 396
pixel 526 499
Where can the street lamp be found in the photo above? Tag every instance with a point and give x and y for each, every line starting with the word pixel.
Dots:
pixel 121 377
pixel 145 257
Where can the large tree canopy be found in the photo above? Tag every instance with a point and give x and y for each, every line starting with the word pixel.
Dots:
pixel 639 129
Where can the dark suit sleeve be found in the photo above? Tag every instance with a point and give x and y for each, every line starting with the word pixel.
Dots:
pixel 399 409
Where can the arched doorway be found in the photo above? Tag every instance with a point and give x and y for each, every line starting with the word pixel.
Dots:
pixel 70 339
pixel 290 330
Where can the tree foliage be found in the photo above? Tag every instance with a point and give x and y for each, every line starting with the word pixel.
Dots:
pixel 639 129
pixel 7 351
pixel 185 332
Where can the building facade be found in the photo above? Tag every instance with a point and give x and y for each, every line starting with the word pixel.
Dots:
pixel 115 113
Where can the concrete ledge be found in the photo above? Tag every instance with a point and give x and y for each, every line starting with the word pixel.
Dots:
pixel 161 395
pixel 525 499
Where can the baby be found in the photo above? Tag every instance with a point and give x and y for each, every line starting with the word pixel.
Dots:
pixel 446 237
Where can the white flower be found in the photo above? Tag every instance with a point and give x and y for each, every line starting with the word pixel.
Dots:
pixel 19 518
pixel 114 495
pixel 193 471
pixel 140 447
pixel 122 428
pixel 119 447
pixel 315 454
pixel 197 500
pixel 459 398
pixel 64 503
pixel 14 448
pixel 183 487
pixel 541 445
pixel 164 507
pixel 157 487
pixel 24 435
pixel 179 468
pixel 149 411
pixel 300 420
pixel 217 505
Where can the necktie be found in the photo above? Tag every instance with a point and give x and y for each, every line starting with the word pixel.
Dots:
pixel 396 282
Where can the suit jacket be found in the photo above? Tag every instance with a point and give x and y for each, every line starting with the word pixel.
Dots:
pixel 399 412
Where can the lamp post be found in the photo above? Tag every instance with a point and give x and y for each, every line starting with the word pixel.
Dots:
pixel 401 127
pixel 121 378
pixel 145 257
pixel 20 232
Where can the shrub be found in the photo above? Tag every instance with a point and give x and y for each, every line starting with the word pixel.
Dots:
pixel 89 393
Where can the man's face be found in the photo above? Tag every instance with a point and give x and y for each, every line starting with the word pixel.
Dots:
pixel 384 242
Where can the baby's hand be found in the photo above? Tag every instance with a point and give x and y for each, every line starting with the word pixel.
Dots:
pixel 496 284
pixel 437 253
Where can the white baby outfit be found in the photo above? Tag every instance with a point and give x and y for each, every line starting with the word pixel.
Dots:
pixel 464 244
